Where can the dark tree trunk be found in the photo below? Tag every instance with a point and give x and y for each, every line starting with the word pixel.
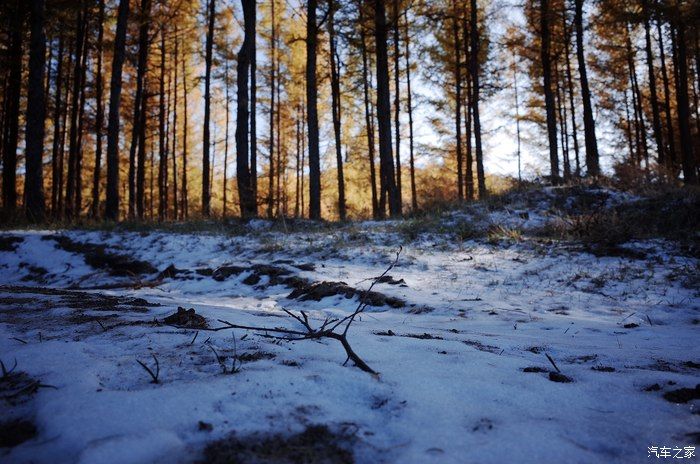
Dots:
pixel 206 194
pixel 409 108
pixel 386 161
pixel 175 105
pixel 246 195
pixel 688 159
pixel 458 98
pixel 369 120
pixel 271 140
pixel 548 94
pixel 469 170
pixel 64 135
pixel 112 204
pixel 561 114
pixel 58 103
pixel 642 149
pixel 312 111
pixel 335 92
pixel 570 88
pixel 656 119
pixel 74 142
pixel 670 157
pixel 78 206
pixel 476 88
pixel 138 119
pixel 397 99
pixel 99 112
pixel 36 112
pixel 11 130
pixel 228 111
pixel 184 198
pixel 592 158
pixel 162 155
pixel 253 115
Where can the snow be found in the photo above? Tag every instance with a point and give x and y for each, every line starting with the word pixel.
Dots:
pixel 459 395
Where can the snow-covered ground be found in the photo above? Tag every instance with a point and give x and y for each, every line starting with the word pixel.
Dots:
pixel 464 367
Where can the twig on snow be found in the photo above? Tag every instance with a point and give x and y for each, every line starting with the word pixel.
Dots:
pixel 150 372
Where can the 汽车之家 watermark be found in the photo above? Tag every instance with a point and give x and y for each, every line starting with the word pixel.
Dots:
pixel 672 452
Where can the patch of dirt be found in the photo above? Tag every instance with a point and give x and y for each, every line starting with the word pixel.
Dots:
pixel 603 368
pixel 319 290
pixel 561 378
pixel 582 359
pixel 482 347
pixel 80 300
pixel 535 369
pixel 98 257
pixel 315 445
pixel 423 336
pixel 10 242
pixel 683 395
pixel 186 318
pixel 16 432
pixel 17 387
pixel 387 279
pixel 255 356
pixel 171 272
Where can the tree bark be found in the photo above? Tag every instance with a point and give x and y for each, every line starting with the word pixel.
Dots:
pixel 369 118
pixel 409 109
pixel 670 157
pixel 548 95
pixel 397 98
pixel 162 150
pixel 58 103
pixel 11 130
pixel 112 204
pixel 386 161
pixel 458 98
pixel 335 95
pixel 99 111
pixel 312 112
pixel 271 140
pixel 656 119
pixel 206 194
pixel 246 195
pixel 570 88
pixel 36 112
pixel 592 157
pixel 688 159
pixel 476 88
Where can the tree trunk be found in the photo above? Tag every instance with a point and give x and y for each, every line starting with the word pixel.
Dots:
pixel 206 194
pixel 369 119
pixel 642 149
pixel 476 88
pixel 469 170
pixel 162 155
pixel 253 206
pixel 228 104
pixel 335 92
pixel 74 140
pixel 11 134
pixel 656 119
pixel 271 141
pixel 688 159
pixel 397 99
pixel 592 158
pixel 58 103
pixel 112 204
pixel 175 105
pixel 99 112
pixel 670 157
pixel 548 94
pixel 312 112
pixel 458 98
pixel 386 161
pixel 570 88
pixel 246 195
pixel 36 112
pixel 409 108
pixel 184 198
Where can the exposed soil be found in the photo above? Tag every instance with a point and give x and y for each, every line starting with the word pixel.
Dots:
pixel 315 445
pixel 9 242
pixel 683 395
pixel 319 290
pixel 16 432
pixel 98 257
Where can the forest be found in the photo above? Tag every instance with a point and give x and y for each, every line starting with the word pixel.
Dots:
pixel 349 231
pixel 163 110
